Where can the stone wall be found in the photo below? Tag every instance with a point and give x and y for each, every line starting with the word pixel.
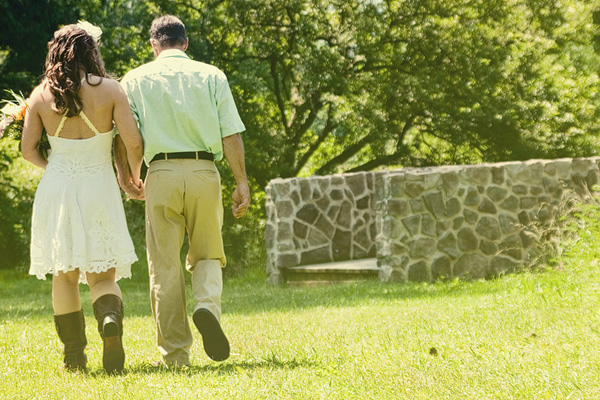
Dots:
pixel 319 220
pixel 423 223
pixel 472 221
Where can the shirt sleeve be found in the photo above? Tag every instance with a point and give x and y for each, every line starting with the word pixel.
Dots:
pixel 229 118
pixel 126 87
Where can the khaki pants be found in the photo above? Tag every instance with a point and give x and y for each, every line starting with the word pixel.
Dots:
pixel 180 195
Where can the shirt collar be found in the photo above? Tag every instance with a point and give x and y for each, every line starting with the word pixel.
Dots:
pixel 172 53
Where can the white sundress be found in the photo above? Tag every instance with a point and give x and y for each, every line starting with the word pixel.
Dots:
pixel 78 220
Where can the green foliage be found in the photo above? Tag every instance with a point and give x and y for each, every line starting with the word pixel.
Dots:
pixel 125 32
pixel 583 230
pixel 346 85
pixel 14 130
pixel 17 188
pixel 27 26
pixel 351 85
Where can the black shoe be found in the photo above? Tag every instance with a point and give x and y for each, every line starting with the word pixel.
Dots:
pixel 215 343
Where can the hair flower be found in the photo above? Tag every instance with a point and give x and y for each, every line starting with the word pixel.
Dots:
pixel 94 31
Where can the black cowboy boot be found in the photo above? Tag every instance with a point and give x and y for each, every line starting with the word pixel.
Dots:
pixel 71 331
pixel 108 310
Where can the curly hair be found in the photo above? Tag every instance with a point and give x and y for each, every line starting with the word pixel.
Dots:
pixel 71 51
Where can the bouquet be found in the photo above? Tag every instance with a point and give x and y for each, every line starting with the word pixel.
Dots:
pixel 12 119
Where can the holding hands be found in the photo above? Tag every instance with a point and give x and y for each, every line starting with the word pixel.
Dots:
pixel 129 180
pixel 133 190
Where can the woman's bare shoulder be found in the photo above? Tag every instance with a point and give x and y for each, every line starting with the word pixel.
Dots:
pixel 96 80
pixel 41 94
pixel 108 85
pixel 39 91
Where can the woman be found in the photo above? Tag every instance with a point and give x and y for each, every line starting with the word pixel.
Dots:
pixel 79 232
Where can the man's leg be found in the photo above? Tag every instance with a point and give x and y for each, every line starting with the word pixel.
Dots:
pixel 206 257
pixel 165 232
pixel 207 282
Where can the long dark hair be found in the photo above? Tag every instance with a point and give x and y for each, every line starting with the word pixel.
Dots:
pixel 70 51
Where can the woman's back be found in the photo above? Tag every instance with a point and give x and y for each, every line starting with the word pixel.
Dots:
pixel 98 99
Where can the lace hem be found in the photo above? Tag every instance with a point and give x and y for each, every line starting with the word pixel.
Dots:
pixel 121 264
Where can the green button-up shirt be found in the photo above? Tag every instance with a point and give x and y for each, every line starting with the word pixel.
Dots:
pixel 181 105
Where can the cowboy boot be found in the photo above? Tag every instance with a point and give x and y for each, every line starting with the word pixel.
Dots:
pixel 71 331
pixel 108 310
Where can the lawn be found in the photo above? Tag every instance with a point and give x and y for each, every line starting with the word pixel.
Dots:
pixel 532 335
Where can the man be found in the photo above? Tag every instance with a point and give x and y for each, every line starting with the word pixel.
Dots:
pixel 188 118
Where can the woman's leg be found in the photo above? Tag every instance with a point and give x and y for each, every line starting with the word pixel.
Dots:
pixel 108 310
pixel 65 292
pixel 68 318
pixel 103 283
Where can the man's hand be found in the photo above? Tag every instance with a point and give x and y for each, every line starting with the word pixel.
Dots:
pixel 241 200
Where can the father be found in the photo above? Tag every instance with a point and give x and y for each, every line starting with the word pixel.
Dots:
pixel 188 119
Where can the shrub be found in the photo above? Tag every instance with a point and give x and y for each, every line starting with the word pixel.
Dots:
pixel 18 181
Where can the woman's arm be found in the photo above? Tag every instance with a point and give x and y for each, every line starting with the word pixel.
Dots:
pixel 129 133
pixel 32 132
pixel 124 173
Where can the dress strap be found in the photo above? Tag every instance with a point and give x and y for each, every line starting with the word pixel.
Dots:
pixel 60 126
pixel 88 123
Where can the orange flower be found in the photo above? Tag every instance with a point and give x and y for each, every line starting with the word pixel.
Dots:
pixel 21 113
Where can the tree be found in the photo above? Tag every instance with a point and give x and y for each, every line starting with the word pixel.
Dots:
pixel 333 86
pixel 27 26
pixel 346 85
pixel 327 86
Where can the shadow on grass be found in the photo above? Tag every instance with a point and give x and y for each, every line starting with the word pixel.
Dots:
pixel 226 368
pixel 247 294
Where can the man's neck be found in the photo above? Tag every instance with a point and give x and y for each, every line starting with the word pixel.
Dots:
pixel 160 50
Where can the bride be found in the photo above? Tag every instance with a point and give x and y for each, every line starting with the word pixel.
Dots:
pixel 79 232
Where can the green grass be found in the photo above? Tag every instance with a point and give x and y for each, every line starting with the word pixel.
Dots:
pixel 533 335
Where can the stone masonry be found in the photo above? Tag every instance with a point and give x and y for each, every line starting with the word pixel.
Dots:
pixel 423 224
pixel 319 220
